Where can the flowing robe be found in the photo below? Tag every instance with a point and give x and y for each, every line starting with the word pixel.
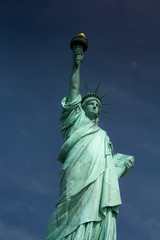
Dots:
pixel 89 189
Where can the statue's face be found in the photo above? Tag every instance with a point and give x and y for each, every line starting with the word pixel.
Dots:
pixel 92 109
pixel 78 54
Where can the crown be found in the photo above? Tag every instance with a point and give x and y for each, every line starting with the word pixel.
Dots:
pixel 89 95
pixel 94 95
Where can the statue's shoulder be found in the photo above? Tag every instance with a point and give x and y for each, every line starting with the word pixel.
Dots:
pixel 70 105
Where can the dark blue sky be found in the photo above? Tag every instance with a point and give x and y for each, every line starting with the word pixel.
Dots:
pixel 35 66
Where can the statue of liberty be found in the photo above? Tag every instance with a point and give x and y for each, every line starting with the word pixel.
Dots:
pixel 89 191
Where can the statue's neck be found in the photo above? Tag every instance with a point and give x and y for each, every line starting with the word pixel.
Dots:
pixel 94 120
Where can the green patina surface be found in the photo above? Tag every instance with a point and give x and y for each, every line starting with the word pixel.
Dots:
pixel 89 191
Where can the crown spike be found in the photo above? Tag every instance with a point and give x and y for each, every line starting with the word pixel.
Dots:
pixel 104 111
pixel 105 94
pixel 87 89
pixel 105 104
pixel 97 88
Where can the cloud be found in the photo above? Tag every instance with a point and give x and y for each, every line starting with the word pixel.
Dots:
pixel 147 226
pixel 153 226
pixel 134 64
pixel 38 187
pixel 126 95
pixel 25 133
pixel 8 232
pixel 16 206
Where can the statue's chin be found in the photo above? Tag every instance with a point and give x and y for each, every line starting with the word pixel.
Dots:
pixel 91 115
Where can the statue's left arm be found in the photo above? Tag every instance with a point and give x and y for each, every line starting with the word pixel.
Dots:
pixel 123 163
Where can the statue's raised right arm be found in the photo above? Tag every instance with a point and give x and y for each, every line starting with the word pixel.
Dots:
pixel 75 74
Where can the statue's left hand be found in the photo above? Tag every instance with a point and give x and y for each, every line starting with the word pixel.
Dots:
pixel 129 165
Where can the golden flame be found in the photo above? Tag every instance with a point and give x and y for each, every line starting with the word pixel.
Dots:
pixel 82 35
